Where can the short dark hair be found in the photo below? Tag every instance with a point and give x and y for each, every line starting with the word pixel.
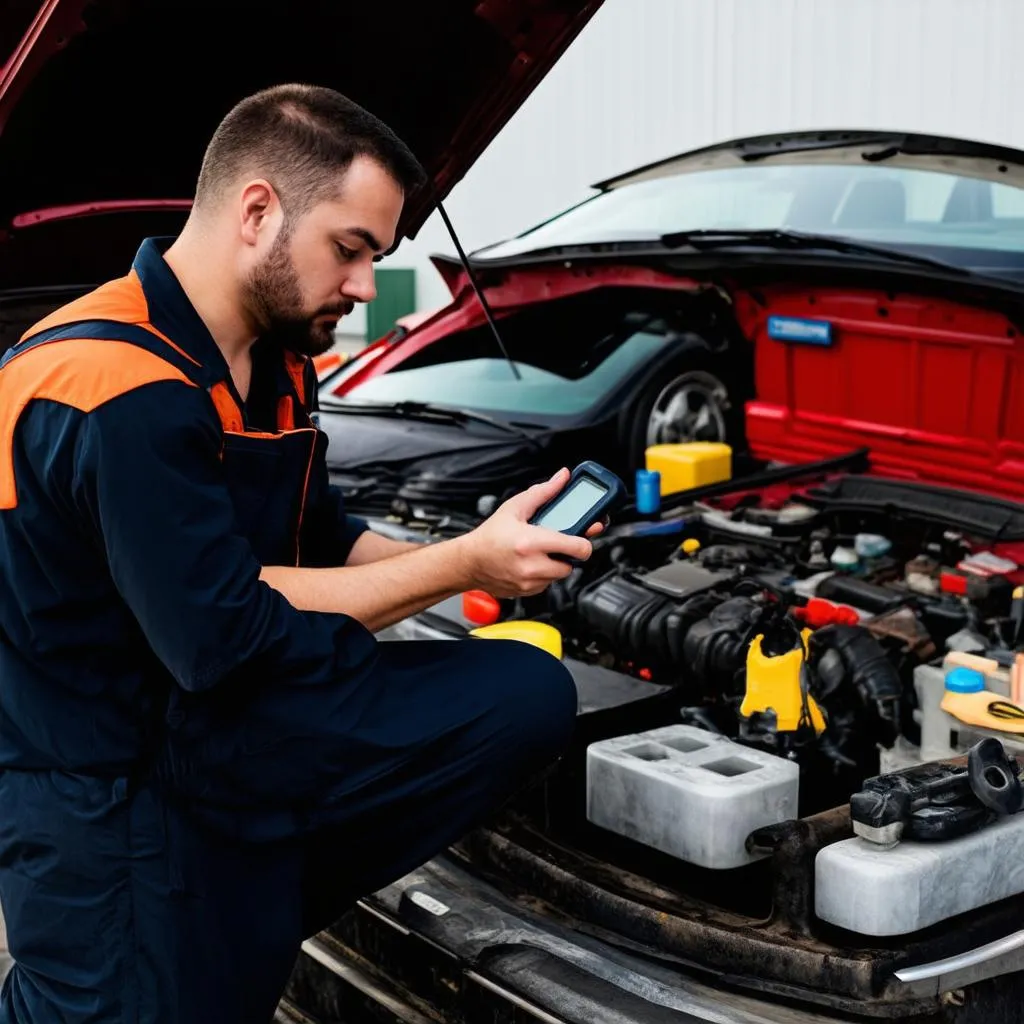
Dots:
pixel 300 137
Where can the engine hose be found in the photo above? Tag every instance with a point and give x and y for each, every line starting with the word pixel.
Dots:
pixel 865 669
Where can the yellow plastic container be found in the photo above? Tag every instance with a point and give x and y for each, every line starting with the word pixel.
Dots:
pixel 540 634
pixel 774 683
pixel 684 466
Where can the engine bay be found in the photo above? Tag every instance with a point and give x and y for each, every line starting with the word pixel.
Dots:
pixel 791 618
pixel 791 621
pixel 750 661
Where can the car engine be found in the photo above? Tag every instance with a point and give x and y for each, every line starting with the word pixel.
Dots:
pixel 767 601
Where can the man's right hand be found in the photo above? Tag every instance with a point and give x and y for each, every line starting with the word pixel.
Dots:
pixel 505 556
pixel 508 557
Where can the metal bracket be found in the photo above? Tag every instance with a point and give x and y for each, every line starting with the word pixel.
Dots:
pixel 1004 956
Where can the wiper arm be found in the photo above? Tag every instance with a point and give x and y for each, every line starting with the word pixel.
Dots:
pixel 427 412
pixel 799 240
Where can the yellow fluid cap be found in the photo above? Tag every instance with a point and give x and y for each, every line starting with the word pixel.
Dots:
pixel 1018 592
pixel 690 546
pixel 690 464
pixel 540 634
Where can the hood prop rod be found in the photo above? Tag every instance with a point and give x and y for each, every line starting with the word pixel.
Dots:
pixel 479 291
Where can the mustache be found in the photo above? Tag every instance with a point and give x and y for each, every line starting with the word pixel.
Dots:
pixel 338 309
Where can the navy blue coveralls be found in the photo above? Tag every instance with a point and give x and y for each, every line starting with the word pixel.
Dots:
pixel 194 775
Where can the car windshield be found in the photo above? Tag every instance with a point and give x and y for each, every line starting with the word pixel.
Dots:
pixel 970 221
pixel 570 354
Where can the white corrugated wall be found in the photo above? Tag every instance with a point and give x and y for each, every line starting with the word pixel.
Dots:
pixel 650 78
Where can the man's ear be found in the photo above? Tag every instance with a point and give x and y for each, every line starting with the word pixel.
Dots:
pixel 258 204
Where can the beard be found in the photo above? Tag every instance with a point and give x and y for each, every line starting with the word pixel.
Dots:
pixel 274 297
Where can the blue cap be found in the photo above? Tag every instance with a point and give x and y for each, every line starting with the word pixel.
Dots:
pixel 648 491
pixel 965 680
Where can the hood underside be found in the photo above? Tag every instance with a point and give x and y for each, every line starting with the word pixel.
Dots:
pixel 115 100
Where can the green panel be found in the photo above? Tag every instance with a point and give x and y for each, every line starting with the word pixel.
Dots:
pixel 396 296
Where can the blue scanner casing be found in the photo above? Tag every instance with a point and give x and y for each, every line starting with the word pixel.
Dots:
pixel 590 495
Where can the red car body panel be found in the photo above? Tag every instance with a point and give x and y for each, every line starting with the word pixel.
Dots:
pixel 934 387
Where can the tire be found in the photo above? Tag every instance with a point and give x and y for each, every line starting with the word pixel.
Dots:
pixel 687 402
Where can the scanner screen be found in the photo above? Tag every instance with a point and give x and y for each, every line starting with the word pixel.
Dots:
pixel 572 505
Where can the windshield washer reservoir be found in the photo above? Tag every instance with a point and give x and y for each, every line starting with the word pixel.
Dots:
pixel 875 891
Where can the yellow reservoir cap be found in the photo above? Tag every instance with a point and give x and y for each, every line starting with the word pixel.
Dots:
pixel 540 634
pixel 774 683
pixel 690 546
pixel 685 466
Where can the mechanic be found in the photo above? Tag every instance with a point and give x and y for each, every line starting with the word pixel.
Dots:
pixel 206 755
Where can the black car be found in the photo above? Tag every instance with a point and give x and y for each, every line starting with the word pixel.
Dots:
pixel 636 317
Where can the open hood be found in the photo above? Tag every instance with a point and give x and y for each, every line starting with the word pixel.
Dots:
pixel 837 146
pixel 634 213
pixel 108 104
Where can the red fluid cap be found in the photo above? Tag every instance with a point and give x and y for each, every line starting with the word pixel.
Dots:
pixel 480 608
pixel 953 583
pixel 819 612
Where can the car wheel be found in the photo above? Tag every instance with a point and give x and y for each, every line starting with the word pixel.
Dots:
pixel 693 406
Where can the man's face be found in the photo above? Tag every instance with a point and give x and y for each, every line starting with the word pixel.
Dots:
pixel 320 265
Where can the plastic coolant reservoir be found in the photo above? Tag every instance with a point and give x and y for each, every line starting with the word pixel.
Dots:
pixel 871 890
pixel 685 466
pixel 692 794
pixel 539 634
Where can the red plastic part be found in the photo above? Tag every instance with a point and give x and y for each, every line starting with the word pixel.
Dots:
pixel 480 608
pixel 934 387
pixel 953 583
pixel 818 612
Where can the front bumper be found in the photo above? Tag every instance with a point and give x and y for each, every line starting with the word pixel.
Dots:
pixel 442 945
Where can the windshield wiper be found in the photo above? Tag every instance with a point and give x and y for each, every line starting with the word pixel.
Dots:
pixel 427 412
pixel 801 241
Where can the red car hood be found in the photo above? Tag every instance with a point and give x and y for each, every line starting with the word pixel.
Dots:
pixel 106 105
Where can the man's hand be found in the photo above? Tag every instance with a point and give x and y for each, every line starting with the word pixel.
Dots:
pixel 505 556
pixel 508 557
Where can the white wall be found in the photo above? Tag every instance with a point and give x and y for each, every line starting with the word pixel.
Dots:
pixel 651 78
